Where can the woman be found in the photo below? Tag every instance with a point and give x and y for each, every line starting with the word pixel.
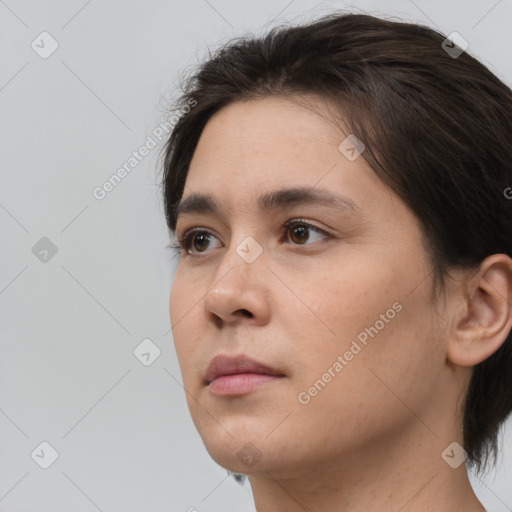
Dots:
pixel 341 310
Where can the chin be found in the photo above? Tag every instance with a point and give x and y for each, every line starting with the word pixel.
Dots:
pixel 239 457
pixel 240 450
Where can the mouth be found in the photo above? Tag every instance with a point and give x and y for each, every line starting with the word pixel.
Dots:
pixel 238 375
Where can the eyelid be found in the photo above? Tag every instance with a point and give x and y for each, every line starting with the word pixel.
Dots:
pixel 187 235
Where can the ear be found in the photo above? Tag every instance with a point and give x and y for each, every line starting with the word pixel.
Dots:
pixel 484 312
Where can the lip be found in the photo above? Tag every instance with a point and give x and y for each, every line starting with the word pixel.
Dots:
pixel 237 375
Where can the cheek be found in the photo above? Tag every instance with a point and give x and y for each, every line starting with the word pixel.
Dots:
pixel 341 297
pixel 179 299
pixel 184 302
pixel 375 391
pixel 183 311
pixel 384 334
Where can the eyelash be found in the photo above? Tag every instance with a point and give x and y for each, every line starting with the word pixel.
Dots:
pixel 185 241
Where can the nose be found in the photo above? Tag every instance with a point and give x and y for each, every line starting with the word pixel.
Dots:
pixel 240 292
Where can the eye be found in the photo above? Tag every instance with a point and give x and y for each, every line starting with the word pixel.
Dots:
pixel 195 238
pixel 299 231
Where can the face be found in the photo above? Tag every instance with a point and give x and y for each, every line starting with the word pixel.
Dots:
pixel 320 305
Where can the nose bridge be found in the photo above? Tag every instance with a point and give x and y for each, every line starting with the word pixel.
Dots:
pixel 242 259
pixel 238 284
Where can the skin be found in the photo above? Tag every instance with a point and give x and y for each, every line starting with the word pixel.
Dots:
pixel 372 438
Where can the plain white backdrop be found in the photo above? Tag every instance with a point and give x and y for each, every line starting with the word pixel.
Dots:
pixel 85 279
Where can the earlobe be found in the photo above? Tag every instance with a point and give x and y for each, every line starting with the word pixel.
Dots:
pixel 484 319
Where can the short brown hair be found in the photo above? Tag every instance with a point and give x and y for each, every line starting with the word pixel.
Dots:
pixel 437 130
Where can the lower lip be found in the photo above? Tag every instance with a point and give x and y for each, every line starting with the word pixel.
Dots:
pixel 240 383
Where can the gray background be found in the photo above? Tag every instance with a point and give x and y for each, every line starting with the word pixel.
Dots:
pixel 71 320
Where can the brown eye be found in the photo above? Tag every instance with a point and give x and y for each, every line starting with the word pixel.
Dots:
pixel 300 232
pixel 196 241
pixel 200 242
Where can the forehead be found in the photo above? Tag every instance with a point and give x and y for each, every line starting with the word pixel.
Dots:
pixel 265 124
pixel 261 146
pixel 251 145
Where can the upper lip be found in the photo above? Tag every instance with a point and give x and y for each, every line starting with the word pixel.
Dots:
pixel 231 365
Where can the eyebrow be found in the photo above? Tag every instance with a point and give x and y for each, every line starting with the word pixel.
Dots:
pixel 271 201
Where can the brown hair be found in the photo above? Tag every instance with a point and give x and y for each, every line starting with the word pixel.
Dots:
pixel 437 129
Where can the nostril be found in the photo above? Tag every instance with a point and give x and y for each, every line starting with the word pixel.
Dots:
pixel 219 320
